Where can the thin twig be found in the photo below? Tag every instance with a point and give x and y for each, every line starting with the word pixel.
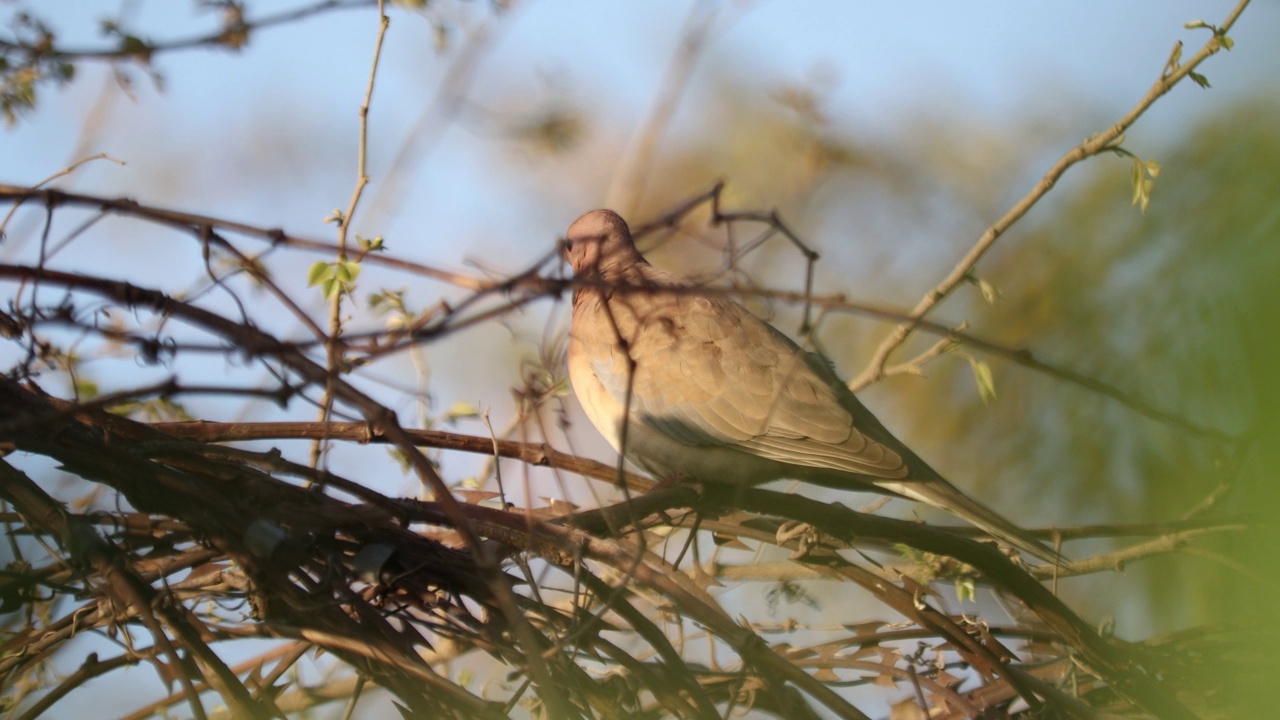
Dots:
pixel 334 349
pixel 220 37
pixel 189 221
pixel 1099 143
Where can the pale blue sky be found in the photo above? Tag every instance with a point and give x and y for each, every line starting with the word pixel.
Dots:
pixel 979 59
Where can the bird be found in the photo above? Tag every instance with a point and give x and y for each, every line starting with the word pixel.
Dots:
pixel 688 383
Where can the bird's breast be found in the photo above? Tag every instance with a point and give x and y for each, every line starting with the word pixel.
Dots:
pixel 586 350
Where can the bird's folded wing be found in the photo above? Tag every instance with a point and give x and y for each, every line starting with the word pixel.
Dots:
pixel 707 372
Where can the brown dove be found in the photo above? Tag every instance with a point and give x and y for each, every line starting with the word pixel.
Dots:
pixel 708 391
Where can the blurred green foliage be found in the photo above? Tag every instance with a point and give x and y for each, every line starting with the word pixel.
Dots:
pixel 1175 306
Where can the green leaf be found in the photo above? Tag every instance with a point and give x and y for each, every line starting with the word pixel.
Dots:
pixel 1143 178
pixel 330 288
pixel 86 389
pixel 1227 43
pixel 370 245
pixel 989 291
pixel 348 271
pixel 1192 25
pixel 398 455
pixel 134 44
pixel 318 271
pixel 1174 59
pixel 333 278
pixel 1199 79
pixel 460 410
pixel 388 301
pixel 986 382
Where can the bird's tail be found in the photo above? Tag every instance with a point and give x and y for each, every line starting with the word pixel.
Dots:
pixel 942 494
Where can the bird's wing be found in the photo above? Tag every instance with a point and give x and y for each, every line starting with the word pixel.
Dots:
pixel 708 372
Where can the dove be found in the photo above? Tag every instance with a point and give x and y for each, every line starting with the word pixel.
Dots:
pixel 688 383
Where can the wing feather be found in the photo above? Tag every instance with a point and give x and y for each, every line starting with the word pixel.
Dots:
pixel 708 372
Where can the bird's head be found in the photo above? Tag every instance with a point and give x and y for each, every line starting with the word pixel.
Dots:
pixel 599 245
